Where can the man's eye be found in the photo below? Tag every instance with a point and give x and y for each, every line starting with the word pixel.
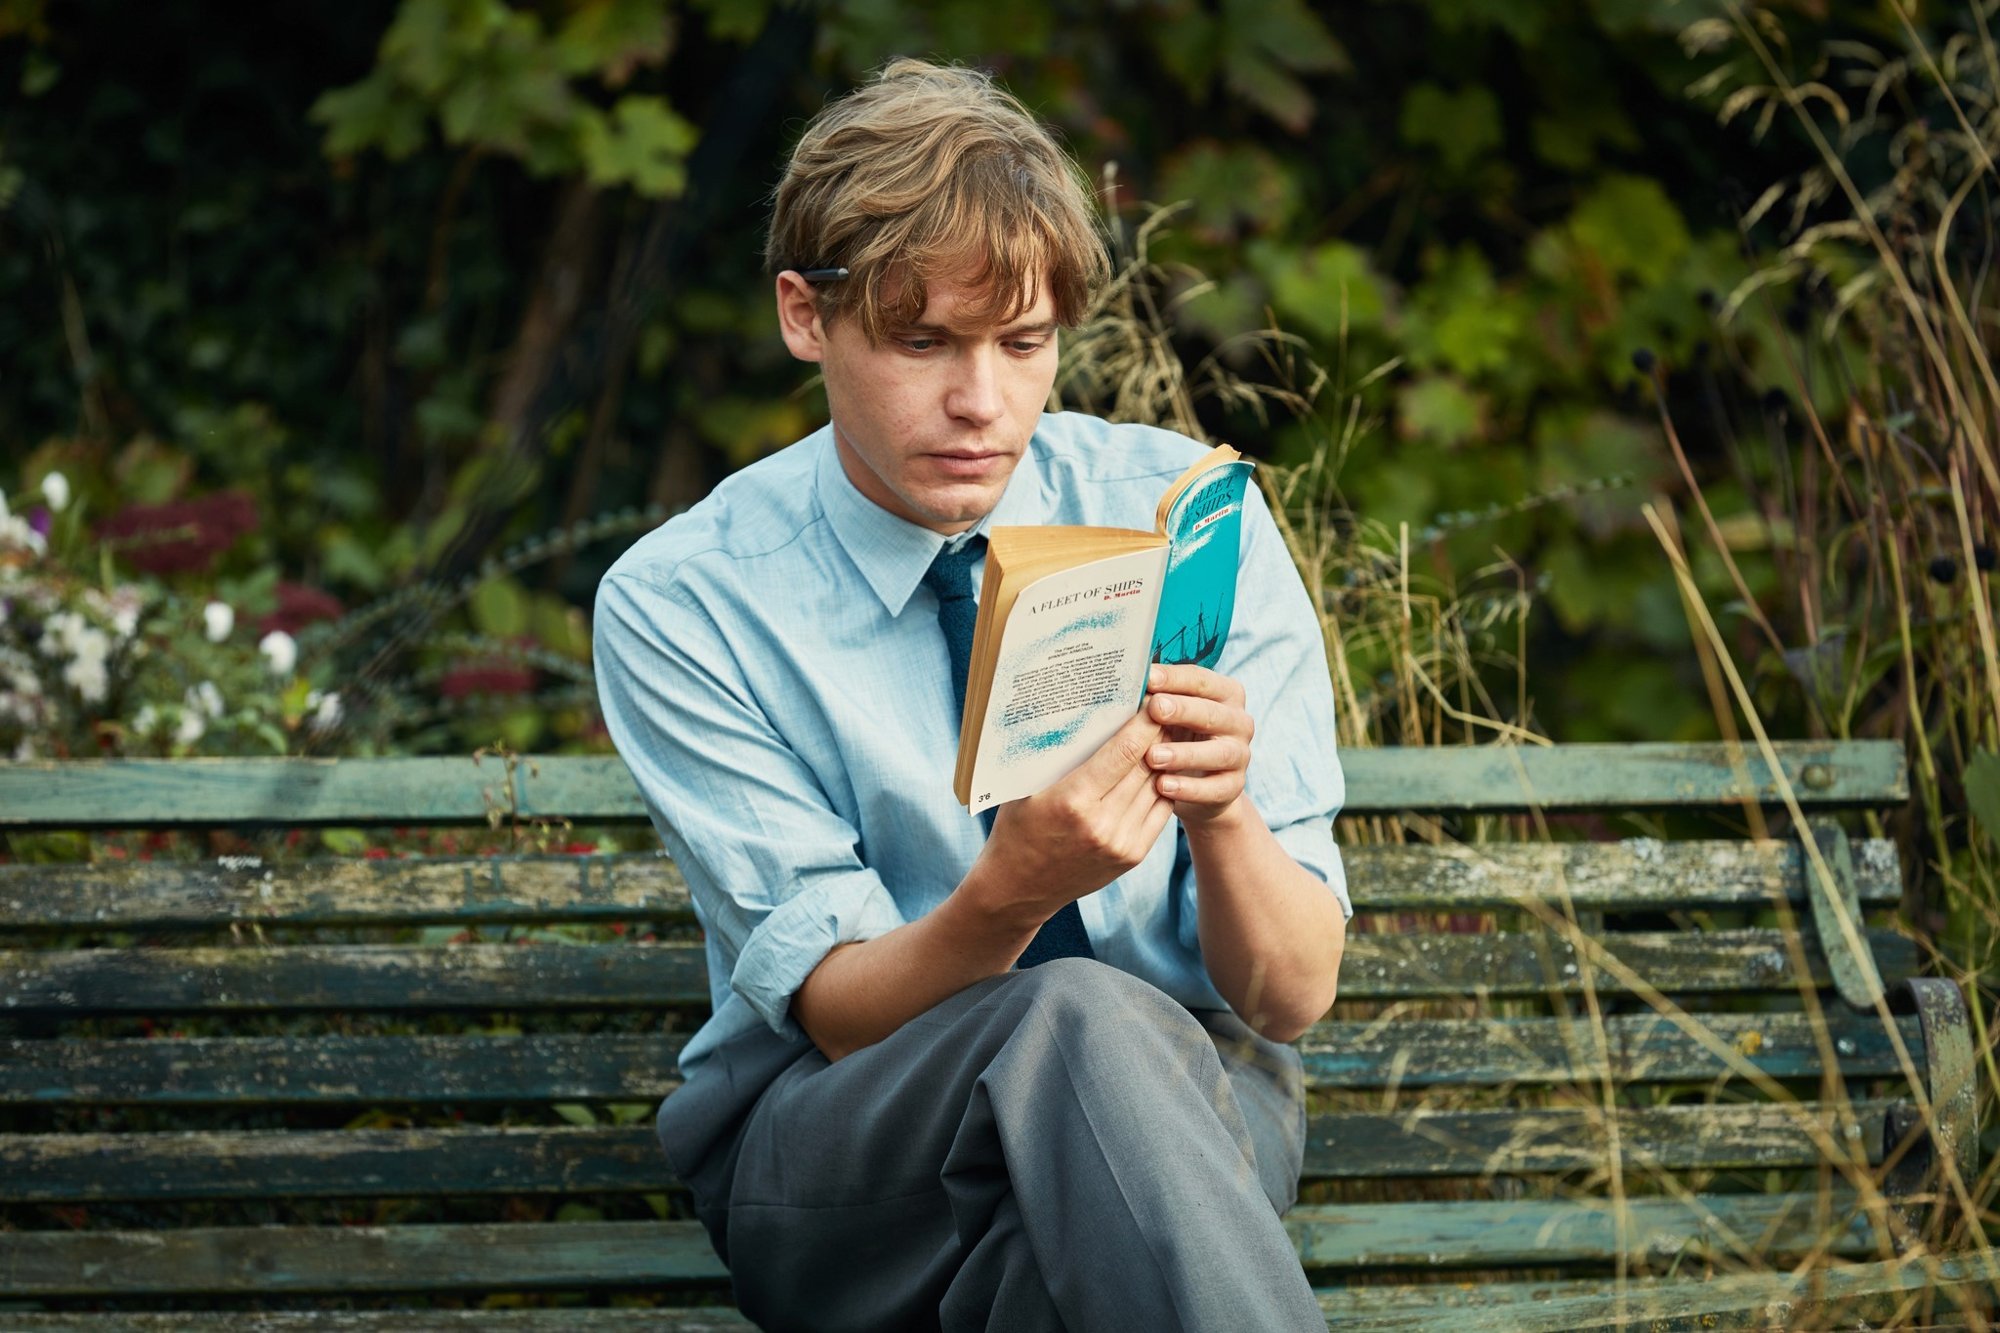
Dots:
pixel 918 344
pixel 1027 346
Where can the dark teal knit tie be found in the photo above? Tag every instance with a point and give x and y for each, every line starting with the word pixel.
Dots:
pixel 950 577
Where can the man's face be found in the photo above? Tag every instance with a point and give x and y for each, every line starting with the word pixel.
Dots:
pixel 931 422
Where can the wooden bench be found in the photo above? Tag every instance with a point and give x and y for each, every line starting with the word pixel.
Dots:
pixel 1568 1083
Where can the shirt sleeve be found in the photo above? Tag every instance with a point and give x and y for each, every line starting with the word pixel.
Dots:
pixel 1277 652
pixel 774 871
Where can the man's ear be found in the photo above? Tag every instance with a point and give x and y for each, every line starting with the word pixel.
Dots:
pixel 798 318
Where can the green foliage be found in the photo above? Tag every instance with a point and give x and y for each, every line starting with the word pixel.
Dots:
pixel 1460 127
pixel 495 78
pixel 427 281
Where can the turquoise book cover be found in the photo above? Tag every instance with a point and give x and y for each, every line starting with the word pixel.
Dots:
pixel 1204 532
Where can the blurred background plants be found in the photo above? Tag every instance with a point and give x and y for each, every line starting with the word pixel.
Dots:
pixel 426 278
pixel 417 311
pixel 408 316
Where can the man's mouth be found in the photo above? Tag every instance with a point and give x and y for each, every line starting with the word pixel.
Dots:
pixel 967 462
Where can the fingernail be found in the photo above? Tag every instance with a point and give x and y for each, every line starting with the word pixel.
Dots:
pixel 1156 677
pixel 1162 756
pixel 1168 786
pixel 1163 708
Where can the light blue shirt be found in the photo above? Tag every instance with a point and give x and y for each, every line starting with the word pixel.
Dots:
pixel 773 673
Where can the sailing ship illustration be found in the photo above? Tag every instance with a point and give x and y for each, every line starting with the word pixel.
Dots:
pixel 1205 639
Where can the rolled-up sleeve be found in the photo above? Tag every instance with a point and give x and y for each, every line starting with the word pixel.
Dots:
pixel 1277 652
pixel 775 873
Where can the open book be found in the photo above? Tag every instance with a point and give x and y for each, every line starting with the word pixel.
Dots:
pixel 1071 617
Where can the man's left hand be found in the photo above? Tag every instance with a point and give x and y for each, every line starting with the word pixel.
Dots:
pixel 1201 763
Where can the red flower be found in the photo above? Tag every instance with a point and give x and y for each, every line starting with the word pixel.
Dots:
pixel 180 536
pixel 299 606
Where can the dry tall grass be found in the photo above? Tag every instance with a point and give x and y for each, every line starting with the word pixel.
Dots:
pixel 1880 642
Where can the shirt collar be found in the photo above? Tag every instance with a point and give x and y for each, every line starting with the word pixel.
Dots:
pixel 893 553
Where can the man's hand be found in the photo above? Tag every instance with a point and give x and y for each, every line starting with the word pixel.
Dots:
pixel 1202 759
pixel 1079 834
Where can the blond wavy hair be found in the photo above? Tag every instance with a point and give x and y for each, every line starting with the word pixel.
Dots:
pixel 932 172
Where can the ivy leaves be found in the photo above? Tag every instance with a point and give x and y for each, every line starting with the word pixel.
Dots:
pixel 498 79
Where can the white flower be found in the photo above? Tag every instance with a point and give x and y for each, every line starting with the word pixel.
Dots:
pixel 121 607
pixel 206 697
pixel 325 711
pixel 55 489
pixel 281 650
pixel 89 677
pixel 25 750
pixel 218 619
pixel 191 727
pixel 59 633
pixel 15 532
pixel 145 720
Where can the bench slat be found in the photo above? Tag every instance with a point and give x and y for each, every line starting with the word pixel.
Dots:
pixel 667 1319
pixel 1731 1301
pixel 67 1168
pixel 476 976
pixel 1640 874
pixel 1453 966
pixel 554 1067
pixel 287 1260
pixel 500 976
pixel 1637 1048
pixel 1854 1296
pixel 1480 1233
pixel 197 1071
pixel 495 1257
pixel 294 793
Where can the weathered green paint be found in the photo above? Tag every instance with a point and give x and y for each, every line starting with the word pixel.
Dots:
pixel 1836 900
pixel 1633 1048
pixel 1475 1233
pixel 333 891
pixel 1951 1083
pixel 1599 881
pixel 267 1164
pixel 71 1168
pixel 1838 1295
pixel 664 1319
pixel 1422 1142
pixel 1636 875
pixel 497 976
pixel 524 1256
pixel 289 1260
pixel 1413 1053
pixel 163 793
pixel 1884 1294
pixel 1641 874
pixel 334 1068
pixel 1485 777
pixel 330 977
pixel 1470 966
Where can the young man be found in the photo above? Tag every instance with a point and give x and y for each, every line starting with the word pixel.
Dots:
pixel 1031 1078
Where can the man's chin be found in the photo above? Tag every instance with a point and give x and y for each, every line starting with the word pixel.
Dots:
pixel 957 507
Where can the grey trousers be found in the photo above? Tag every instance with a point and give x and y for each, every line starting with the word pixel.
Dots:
pixel 1060 1148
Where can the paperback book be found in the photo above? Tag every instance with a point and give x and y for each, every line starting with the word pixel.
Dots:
pixel 1070 618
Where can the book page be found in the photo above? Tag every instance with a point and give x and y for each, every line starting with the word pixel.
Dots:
pixel 1204 530
pixel 1070 670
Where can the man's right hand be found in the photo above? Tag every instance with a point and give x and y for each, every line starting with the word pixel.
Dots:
pixel 1075 836
pixel 1046 850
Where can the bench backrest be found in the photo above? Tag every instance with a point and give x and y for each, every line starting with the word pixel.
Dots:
pixel 1591 1052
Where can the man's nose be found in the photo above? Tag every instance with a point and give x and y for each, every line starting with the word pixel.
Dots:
pixel 974 395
